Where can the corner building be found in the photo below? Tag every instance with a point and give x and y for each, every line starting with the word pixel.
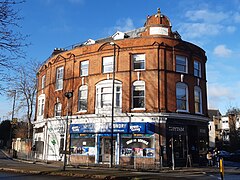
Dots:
pixel 157 103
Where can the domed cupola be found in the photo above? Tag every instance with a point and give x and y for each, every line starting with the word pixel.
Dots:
pixel 157 24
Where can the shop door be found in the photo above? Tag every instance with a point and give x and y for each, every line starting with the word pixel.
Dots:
pixel 179 146
pixel 105 150
pixel 193 143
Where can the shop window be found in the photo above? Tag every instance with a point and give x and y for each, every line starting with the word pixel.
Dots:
pixel 140 146
pixel 197 69
pixel 181 64
pixel 138 61
pixel 84 68
pixel 83 144
pixel 138 100
pixel 198 100
pixel 82 98
pixel 182 97
pixel 59 78
pixel 107 64
pixel 104 96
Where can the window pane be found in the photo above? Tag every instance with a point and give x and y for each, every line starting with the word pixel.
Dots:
pixel 118 100
pixel 197 69
pixel 139 61
pixel 84 68
pixel 181 104
pixel 59 78
pixel 197 99
pixel 181 64
pixel 58 109
pixel 138 96
pixel 108 64
pixel 181 95
pixel 138 102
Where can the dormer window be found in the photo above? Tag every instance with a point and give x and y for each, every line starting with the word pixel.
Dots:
pixel 118 35
pixel 89 42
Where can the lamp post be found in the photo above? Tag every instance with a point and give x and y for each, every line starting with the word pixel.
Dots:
pixel 13 110
pixel 113 92
pixel 68 95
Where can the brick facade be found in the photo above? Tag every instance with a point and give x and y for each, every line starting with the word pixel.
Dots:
pixel 159 75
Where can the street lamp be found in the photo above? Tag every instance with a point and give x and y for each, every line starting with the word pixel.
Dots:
pixel 13 110
pixel 68 95
pixel 113 91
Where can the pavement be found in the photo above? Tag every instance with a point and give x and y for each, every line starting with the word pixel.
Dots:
pixel 55 168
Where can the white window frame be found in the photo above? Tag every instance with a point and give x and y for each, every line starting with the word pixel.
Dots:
pixel 100 93
pixel 43 81
pixel 84 66
pixel 107 64
pixel 197 69
pixel 140 85
pixel 57 109
pixel 40 107
pixel 59 78
pixel 83 97
pixel 139 61
pixel 198 99
pixel 184 87
pixel 179 64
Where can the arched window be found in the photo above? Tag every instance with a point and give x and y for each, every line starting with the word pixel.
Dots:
pixel 182 97
pixel 82 98
pixel 198 99
pixel 138 95
pixel 104 96
pixel 58 109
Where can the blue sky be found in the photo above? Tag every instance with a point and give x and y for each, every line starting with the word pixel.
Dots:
pixel 213 25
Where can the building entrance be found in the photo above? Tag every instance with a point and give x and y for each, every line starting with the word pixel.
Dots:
pixel 105 149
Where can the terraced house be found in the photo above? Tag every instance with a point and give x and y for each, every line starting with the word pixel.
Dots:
pixel 137 97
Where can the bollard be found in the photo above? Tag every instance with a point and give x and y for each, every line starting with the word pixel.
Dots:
pixel 221 168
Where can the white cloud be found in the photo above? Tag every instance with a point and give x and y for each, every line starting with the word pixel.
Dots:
pixel 206 16
pixel 222 51
pixel 124 25
pixel 197 30
pixel 219 96
pixel 231 29
pixel 237 17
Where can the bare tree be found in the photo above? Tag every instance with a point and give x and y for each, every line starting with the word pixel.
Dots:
pixel 24 83
pixel 12 41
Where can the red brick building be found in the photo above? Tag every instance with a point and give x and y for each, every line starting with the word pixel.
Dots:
pixel 159 98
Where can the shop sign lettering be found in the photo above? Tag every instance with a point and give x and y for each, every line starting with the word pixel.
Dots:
pixel 137 140
pixel 75 129
pixel 176 129
pixel 136 128
pixel 202 131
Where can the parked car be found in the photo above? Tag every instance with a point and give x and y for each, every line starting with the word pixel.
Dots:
pixel 235 156
pixel 224 154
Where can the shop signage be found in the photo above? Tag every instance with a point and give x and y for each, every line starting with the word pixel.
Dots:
pixel 202 131
pixel 106 128
pixel 99 127
pixel 137 128
pixel 137 140
pixel 177 129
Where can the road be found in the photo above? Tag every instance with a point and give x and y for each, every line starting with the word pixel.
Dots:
pixel 43 171
pixel 21 176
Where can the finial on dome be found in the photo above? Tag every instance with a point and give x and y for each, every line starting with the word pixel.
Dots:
pixel 159 11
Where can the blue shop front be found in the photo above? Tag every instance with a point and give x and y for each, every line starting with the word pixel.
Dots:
pixel 91 142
